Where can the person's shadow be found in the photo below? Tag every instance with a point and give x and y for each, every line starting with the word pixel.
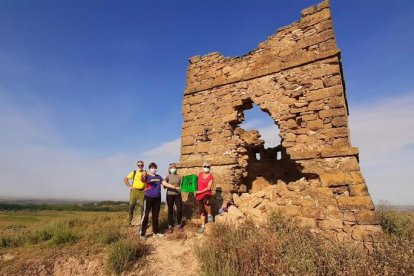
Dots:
pixel 216 201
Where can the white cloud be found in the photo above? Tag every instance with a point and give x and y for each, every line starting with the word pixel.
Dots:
pixel 166 153
pixel 384 133
pixel 251 124
pixel 35 163
pixel 270 135
pixel 383 127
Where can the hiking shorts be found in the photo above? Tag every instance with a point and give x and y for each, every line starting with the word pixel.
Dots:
pixel 205 201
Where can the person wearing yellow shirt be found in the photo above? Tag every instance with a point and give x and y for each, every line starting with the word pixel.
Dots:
pixel 136 189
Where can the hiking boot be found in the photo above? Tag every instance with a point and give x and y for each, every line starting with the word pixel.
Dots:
pixel 169 230
pixel 210 218
pixel 158 235
pixel 200 230
pixel 142 238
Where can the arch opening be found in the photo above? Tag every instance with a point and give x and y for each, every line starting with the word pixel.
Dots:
pixel 264 160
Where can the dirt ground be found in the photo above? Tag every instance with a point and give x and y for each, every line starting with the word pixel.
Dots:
pixel 173 254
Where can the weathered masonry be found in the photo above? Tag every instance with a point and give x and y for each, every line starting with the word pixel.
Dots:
pixel 295 76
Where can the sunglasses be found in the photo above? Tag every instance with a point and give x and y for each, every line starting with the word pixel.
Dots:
pixel 140 166
pixel 208 167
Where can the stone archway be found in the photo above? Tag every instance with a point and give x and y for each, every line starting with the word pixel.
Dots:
pixel 296 77
pixel 261 166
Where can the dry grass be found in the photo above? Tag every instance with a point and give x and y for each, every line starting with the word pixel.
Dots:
pixel 281 247
pixel 35 239
pixel 123 254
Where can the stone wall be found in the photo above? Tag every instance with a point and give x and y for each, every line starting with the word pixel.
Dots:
pixel 295 76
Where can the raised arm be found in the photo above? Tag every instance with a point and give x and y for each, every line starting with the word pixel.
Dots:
pixel 143 176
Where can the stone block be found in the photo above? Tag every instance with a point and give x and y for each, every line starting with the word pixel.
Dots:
pixel 315 125
pixel 339 121
pixel 334 133
pixel 340 143
pixel 309 117
pixel 260 194
pixel 312 212
pixel 302 154
pixel 191 131
pixel 349 216
pixel 235 212
pixel 260 183
pixel 366 217
pixel 324 93
pixel 339 152
pixel 254 202
pixel 332 81
pixel 319 192
pixel 243 188
pixel 289 137
pixel 341 179
pixel 366 233
pixel 185 150
pixel 336 102
pixel 315 106
pixel 306 222
pixel 252 212
pixel 332 112
pixel 355 203
pixel 187 140
pixel 280 187
pixel 237 200
pixel 358 190
pixel 332 212
pixel 304 202
pixel 203 147
pixel 332 224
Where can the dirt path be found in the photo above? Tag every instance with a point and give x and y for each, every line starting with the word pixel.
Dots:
pixel 172 255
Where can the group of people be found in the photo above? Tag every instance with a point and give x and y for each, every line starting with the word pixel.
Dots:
pixel 146 189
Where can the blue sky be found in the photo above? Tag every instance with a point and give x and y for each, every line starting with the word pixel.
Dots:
pixel 89 87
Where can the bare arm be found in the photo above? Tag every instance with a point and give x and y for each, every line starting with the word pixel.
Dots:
pixel 126 182
pixel 208 188
pixel 143 176
pixel 168 185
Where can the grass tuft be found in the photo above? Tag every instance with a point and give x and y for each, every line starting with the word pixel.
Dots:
pixel 396 223
pixel 62 234
pixel 123 254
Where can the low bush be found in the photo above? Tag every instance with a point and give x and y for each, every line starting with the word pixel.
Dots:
pixel 108 235
pixel 57 233
pixel 396 223
pixel 9 241
pixel 282 247
pixel 123 254
pixel 62 234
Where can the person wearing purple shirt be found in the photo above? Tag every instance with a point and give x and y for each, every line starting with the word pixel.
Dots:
pixel 152 200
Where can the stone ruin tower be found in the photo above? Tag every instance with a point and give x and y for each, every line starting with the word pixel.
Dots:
pixel 296 77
